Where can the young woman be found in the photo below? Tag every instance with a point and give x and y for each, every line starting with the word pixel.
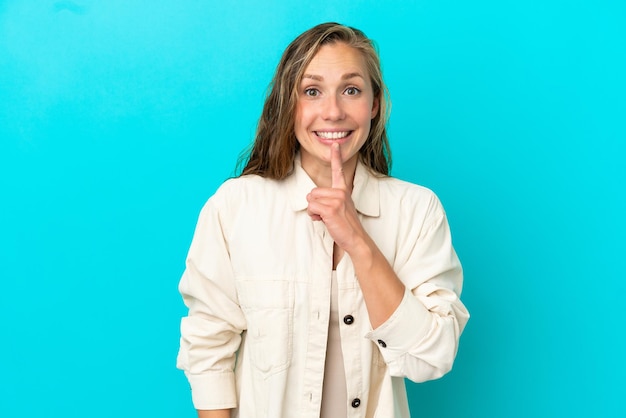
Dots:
pixel 315 282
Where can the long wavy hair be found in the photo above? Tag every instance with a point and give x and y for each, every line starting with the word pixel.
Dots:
pixel 275 146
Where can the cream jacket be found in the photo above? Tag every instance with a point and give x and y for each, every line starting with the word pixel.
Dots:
pixel 257 285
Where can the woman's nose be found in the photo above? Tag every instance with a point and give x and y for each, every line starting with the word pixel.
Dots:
pixel 333 109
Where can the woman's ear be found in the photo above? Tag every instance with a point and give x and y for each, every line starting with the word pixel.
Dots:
pixel 375 106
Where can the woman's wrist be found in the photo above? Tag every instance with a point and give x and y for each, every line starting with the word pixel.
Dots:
pixel 216 413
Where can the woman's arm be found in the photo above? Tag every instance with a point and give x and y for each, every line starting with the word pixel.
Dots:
pixel 211 331
pixel 420 339
pixel 416 321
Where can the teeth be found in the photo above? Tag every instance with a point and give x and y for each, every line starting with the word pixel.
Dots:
pixel 333 135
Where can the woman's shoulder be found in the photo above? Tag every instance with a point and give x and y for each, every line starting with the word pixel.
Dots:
pixel 246 181
pixel 407 195
pixel 246 187
pixel 394 185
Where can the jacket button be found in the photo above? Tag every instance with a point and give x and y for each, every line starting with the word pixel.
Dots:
pixel 382 343
pixel 356 402
pixel 348 319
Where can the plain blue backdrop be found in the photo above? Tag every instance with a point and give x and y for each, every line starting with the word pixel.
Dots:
pixel 118 119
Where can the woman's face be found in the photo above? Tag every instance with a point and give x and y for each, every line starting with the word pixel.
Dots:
pixel 335 104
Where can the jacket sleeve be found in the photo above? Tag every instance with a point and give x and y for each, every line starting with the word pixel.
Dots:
pixel 420 340
pixel 211 332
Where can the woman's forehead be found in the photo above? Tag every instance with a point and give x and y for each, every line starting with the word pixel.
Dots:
pixel 337 60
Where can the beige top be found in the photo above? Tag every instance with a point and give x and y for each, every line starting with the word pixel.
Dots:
pixel 334 393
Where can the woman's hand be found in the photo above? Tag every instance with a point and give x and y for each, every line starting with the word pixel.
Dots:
pixel 334 207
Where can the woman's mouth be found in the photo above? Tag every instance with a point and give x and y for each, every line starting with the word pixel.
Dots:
pixel 333 136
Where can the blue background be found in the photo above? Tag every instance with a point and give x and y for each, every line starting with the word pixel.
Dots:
pixel 118 119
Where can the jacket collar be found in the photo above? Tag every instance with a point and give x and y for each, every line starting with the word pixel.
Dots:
pixel 365 193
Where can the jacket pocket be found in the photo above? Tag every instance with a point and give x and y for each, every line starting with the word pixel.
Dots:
pixel 268 307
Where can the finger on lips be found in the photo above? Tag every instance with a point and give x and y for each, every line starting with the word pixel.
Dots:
pixel 322 199
pixel 338 181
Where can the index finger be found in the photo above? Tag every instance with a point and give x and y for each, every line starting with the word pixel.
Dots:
pixel 338 181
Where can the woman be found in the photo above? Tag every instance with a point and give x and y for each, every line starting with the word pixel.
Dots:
pixel 316 283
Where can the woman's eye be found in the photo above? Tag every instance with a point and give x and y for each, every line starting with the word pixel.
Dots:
pixel 352 91
pixel 311 92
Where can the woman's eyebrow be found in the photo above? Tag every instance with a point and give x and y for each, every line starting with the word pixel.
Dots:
pixel 352 75
pixel 346 76
pixel 313 77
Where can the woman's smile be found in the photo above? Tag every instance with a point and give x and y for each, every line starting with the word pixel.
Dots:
pixel 332 135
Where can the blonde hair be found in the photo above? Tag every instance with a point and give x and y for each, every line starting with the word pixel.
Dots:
pixel 275 146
